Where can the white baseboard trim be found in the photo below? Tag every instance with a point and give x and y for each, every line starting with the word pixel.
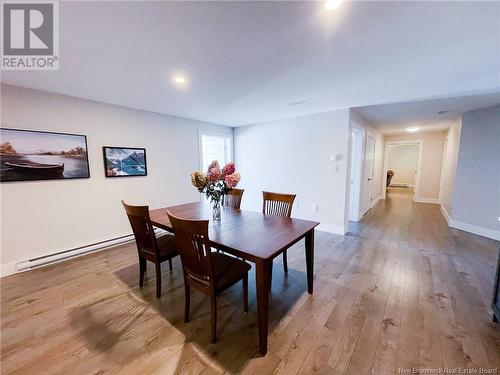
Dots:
pixel 471 228
pixel 8 269
pixel 376 200
pixel 426 200
pixel 445 213
pixel 330 228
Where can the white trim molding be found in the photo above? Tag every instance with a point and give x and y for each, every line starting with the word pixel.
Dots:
pixel 330 228
pixel 426 200
pixel 376 200
pixel 445 213
pixel 471 228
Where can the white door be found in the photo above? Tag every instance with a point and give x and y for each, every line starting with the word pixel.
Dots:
pixel 354 182
pixel 368 176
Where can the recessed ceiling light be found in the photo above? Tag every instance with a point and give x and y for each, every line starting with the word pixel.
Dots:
pixel 443 112
pixel 332 4
pixel 412 129
pixel 179 79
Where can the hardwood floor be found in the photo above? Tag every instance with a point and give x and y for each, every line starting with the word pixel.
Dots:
pixel 401 290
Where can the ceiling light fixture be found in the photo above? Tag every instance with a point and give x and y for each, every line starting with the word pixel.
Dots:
pixel 332 4
pixel 180 80
pixel 412 129
pixel 440 113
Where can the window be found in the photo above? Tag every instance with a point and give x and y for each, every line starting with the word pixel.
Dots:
pixel 215 147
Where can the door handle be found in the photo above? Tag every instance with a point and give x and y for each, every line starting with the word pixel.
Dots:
pixel 369 179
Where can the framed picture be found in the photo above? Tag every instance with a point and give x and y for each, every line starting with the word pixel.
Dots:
pixel 124 161
pixel 27 155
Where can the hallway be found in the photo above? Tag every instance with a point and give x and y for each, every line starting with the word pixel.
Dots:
pixel 402 290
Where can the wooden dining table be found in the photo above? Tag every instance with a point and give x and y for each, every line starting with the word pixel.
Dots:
pixel 253 236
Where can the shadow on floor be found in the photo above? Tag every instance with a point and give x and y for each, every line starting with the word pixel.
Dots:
pixel 115 321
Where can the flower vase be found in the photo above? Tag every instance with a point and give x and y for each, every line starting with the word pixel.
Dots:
pixel 216 211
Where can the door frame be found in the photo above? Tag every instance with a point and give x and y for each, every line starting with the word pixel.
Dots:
pixel 365 184
pixel 356 164
pixel 420 144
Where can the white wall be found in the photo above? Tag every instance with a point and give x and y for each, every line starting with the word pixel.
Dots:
pixel 293 156
pixel 449 166
pixel 43 217
pixel 432 156
pixel 476 198
pixel 402 160
pixel 357 121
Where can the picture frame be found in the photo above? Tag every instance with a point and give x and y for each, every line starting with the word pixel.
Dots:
pixel 124 161
pixel 35 155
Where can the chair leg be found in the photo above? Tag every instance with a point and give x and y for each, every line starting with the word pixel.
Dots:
pixel 142 271
pixel 245 292
pixel 170 264
pixel 285 262
pixel 187 300
pixel 158 280
pixel 213 331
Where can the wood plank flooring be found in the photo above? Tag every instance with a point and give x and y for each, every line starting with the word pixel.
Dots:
pixel 400 291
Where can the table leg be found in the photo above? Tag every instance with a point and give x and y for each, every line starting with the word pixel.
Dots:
pixel 262 287
pixel 310 260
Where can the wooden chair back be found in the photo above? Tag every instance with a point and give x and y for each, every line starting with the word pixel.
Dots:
pixel 194 247
pixel 277 204
pixel 233 198
pixel 142 228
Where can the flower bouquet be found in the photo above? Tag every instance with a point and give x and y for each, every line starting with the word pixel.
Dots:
pixel 215 183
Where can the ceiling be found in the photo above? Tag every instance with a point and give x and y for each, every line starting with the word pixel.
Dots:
pixel 246 61
pixel 395 118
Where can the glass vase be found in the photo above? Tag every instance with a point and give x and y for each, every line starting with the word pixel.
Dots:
pixel 216 211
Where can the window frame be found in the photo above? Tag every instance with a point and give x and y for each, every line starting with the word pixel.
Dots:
pixel 202 133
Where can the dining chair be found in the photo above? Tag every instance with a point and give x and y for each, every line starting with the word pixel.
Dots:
pixel 233 198
pixel 278 204
pixel 209 272
pixel 149 247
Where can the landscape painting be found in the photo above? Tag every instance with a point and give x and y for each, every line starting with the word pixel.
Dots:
pixel 124 162
pixel 27 155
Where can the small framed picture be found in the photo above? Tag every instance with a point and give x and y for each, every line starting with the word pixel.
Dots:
pixel 124 161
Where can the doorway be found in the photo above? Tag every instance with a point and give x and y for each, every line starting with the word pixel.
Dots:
pixel 355 175
pixel 402 167
pixel 367 198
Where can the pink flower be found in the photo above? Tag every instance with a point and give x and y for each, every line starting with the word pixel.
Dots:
pixel 232 180
pixel 228 169
pixel 214 164
pixel 214 174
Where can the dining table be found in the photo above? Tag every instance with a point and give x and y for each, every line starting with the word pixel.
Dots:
pixel 254 236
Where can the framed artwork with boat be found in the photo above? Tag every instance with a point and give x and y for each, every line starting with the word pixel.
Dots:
pixel 124 161
pixel 29 155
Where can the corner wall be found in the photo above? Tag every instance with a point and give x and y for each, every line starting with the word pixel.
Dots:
pixel 43 217
pixel 294 156
pixel 449 166
pixel 476 197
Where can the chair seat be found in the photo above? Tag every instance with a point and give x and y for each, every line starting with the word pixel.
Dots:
pixel 228 270
pixel 167 246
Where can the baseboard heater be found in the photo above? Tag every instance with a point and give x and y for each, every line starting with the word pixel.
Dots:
pixel 76 252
